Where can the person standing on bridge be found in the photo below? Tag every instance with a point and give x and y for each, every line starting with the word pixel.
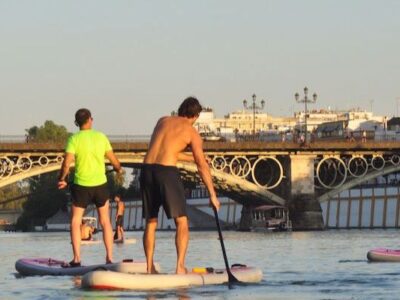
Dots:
pixel 160 180
pixel 88 148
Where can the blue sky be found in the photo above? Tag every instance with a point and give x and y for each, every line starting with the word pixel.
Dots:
pixel 131 62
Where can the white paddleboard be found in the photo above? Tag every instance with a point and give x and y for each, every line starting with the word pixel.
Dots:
pixel 107 280
pixel 96 242
pixel 125 241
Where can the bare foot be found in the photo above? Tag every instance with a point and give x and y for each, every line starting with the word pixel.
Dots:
pixel 153 270
pixel 181 271
pixel 109 260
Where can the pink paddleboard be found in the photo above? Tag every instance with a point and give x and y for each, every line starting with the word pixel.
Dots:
pixel 50 266
pixel 383 255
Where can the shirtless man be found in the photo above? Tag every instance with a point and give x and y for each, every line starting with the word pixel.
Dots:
pixel 119 219
pixel 160 180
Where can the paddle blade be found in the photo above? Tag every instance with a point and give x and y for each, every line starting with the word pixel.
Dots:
pixel 231 278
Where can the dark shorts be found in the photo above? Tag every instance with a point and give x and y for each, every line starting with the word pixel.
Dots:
pixel 119 221
pixel 162 186
pixel 82 196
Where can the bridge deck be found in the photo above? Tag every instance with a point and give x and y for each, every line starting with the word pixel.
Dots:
pixel 225 146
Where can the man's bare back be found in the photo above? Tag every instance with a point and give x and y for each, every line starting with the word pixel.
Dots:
pixel 170 137
pixel 120 208
pixel 160 180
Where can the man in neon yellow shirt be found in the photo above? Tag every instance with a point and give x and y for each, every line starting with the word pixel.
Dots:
pixel 88 148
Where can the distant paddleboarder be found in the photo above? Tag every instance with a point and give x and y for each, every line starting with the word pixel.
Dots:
pixel 160 180
pixel 87 231
pixel 119 219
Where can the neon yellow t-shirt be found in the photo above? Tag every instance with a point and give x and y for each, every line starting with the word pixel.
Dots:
pixel 89 147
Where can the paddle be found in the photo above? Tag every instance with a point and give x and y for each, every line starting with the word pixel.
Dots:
pixel 231 278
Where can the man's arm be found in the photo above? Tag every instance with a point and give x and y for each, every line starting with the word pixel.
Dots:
pixel 202 166
pixel 68 159
pixel 114 161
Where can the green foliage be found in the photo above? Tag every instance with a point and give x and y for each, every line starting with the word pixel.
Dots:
pixel 45 200
pixel 48 132
pixel 13 191
pixel 115 183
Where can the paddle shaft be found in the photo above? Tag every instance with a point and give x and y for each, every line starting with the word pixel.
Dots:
pixel 231 278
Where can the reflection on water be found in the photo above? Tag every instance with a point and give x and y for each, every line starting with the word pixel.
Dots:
pixel 296 265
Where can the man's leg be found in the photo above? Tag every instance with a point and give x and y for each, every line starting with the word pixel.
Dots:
pixel 76 221
pixel 149 238
pixel 122 233
pixel 181 242
pixel 105 222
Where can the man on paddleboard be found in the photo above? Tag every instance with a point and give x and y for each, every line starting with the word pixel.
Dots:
pixel 86 231
pixel 88 148
pixel 160 180
pixel 119 219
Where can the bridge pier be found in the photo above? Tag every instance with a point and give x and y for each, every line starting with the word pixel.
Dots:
pixel 304 209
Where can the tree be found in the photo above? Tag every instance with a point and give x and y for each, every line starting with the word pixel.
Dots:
pixel 115 183
pixel 43 202
pixel 12 196
pixel 48 132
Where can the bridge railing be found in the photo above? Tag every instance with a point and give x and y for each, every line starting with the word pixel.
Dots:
pixel 12 139
pixel 121 138
pixel 131 138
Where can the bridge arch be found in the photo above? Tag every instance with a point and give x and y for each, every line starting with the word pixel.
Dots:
pixel 357 181
pixel 24 175
pixel 223 181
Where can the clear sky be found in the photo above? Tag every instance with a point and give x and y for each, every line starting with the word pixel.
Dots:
pixel 131 62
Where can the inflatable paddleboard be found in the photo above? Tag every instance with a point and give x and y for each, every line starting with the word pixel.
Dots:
pixel 115 281
pixel 91 242
pixel 383 255
pixel 50 266
pixel 125 241
pixel 95 242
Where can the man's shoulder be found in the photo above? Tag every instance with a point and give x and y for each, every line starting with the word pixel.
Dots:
pixel 72 138
pixel 99 134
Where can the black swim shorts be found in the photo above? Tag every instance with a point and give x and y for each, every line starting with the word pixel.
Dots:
pixel 119 221
pixel 162 186
pixel 82 196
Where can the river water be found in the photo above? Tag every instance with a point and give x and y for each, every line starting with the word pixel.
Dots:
pixel 296 265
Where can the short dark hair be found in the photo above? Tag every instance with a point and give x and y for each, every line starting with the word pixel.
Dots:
pixel 82 116
pixel 189 108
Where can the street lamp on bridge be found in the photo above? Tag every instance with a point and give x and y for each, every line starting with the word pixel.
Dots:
pixel 305 100
pixel 255 108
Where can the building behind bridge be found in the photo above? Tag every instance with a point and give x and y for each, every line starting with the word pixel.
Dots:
pixel 323 123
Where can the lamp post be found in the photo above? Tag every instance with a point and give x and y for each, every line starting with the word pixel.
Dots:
pixel 305 100
pixel 254 107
